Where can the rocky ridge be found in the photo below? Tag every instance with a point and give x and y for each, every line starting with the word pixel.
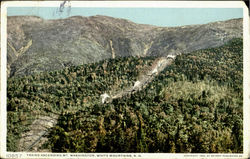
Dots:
pixel 37 45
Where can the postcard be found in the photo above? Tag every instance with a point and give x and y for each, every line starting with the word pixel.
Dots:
pixel 125 79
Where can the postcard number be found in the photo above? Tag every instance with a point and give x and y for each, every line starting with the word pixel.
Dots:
pixel 13 155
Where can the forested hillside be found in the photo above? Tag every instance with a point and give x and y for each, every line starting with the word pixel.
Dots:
pixel 194 105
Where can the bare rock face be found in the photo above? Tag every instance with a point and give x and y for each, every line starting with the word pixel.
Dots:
pixel 36 45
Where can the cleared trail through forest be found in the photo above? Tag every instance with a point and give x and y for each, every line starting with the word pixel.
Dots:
pixel 33 139
pixel 160 65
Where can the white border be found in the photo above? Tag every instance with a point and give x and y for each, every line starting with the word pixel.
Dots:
pixel 246 82
pixel 3 87
pixel 131 4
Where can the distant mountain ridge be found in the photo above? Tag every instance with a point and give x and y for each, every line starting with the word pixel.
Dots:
pixel 37 45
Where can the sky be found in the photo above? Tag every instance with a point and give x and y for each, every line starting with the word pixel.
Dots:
pixel 153 16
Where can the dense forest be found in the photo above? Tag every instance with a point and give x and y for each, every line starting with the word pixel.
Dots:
pixel 194 105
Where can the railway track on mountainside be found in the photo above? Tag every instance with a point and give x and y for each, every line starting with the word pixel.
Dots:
pixel 33 139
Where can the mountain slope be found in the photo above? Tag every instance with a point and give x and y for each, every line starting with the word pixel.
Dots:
pixel 36 136
pixel 194 105
pixel 55 44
